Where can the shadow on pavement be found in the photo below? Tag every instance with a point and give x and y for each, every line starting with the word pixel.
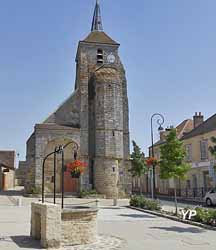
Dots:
pixel 111 208
pixel 181 229
pixel 12 193
pixel 138 216
pixel 26 242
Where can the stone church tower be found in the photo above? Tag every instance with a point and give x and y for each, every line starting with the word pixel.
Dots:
pixel 95 116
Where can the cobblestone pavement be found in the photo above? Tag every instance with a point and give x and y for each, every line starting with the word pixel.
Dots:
pixel 104 243
pixel 121 229
pixel 147 232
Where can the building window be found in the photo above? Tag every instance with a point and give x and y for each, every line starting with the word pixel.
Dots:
pixel 195 182
pixel 206 180
pixel 100 56
pixel 188 149
pixel 204 149
pixel 188 184
pixel 157 154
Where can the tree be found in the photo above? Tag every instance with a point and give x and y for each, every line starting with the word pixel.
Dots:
pixel 138 162
pixel 172 164
pixel 212 150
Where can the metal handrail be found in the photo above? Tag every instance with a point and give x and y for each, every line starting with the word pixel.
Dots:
pixel 57 150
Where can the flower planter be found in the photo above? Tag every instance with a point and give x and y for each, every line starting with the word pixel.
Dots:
pixel 75 175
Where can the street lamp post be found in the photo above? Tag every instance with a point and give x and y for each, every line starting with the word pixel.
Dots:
pixel 160 122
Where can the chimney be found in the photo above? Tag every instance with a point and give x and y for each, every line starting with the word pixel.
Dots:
pixel 198 119
pixel 163 134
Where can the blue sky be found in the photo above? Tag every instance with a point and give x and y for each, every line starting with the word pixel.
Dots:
pixel 167 47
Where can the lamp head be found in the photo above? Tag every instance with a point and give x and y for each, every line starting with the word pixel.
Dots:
pixel 160 128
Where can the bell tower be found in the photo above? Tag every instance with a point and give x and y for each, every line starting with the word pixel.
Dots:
pixel 102 87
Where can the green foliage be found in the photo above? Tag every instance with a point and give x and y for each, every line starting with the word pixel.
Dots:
pixel 212 149
pixel 34 190
pixel 205 216
pixel 137 201
pixel 172 163
pixel 85 193
pixel 202 215
pixel 138 161
pixel 141 202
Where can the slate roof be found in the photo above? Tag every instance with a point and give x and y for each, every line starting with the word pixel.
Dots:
pixel 99 37
pixel 207 126
pixel 7 159
pixel 97 20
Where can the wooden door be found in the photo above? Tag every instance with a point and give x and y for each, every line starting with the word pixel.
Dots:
pixel 71 185
pixel 4 182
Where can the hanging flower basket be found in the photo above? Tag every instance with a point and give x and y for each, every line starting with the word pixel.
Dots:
pixel 75 174
pixel 76 168
pixel 152 161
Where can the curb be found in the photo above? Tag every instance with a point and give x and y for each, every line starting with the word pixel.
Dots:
pixel 170 217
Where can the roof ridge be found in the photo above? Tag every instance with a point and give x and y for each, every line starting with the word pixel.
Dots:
pixel 199 126
pixel 99 37
pixel 60 105
pixel 185 125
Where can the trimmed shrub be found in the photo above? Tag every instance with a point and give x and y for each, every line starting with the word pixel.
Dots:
pixel 205 216
pixel 85 193
pixel 34 191
pixel 142 202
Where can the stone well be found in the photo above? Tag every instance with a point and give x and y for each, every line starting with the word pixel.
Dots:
pixel 55 227
pixel 79 226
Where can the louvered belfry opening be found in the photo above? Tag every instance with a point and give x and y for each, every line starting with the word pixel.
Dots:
pixel 100 56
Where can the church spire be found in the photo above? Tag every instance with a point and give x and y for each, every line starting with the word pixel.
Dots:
pixel 97 20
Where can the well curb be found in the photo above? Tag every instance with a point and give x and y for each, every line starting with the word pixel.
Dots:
pixel 193 223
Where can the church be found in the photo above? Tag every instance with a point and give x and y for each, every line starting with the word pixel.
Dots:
pixel 95 117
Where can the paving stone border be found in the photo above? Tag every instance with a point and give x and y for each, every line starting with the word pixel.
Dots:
pixel 193 223
pixel 104 242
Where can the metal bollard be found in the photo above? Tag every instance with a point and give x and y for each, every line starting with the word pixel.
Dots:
pixel 19 202
pixel 97 203
pixel 115 202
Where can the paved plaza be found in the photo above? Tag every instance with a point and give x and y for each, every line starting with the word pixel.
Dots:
pixel 119 227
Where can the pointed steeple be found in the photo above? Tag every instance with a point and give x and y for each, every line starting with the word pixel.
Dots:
pixel 97 20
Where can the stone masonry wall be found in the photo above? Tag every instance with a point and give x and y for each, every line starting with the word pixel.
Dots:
pixel 46 224
pixel 79 226
pixel 106 118
pixel 99 108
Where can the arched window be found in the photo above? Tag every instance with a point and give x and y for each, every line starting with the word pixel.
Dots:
pixel 100 56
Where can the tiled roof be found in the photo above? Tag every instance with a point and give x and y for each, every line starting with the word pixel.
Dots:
pixel 183 127
pixel 205 127
pixel 7 159
pixel 99 37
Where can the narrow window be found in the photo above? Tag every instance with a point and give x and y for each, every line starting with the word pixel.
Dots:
pixel 204 149
pixel 100 56
pixel 188 149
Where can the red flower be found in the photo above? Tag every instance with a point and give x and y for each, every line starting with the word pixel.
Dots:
pixel 151 161
pixel 76 166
